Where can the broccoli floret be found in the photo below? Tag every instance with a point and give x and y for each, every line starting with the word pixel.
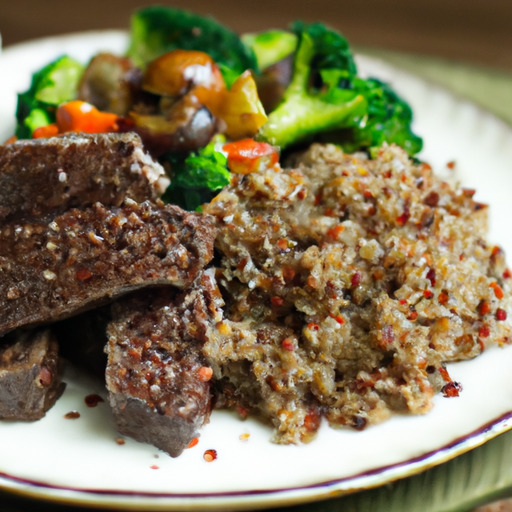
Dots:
pixel 310 105
pixel 271 46
pixel 55 83
pixel 389 119
pixel 198 176
pixel 158 29
pixel 328 101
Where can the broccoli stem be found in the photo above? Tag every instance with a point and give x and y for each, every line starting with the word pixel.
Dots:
pixel 303 113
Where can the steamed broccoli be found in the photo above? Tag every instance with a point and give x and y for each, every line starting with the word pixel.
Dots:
pixel 328 101
pixel 198 176
pixel 158 29
pixel 310 104
pixel 52 85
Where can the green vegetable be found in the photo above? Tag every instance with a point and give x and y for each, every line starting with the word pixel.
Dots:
pixel 198 176
pixel 271 46
pixel 55 83
pixel 389 118
pixel 156 30
pixel 327 101
pixel 309 104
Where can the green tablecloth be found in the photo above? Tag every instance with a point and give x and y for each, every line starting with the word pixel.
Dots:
pixel 479 476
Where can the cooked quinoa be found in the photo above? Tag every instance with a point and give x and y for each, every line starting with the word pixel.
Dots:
pixel 348 283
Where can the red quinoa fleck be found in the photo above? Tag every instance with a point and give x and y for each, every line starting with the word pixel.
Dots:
pixel 83 274
pixel 507 274
pixel 276 301
pixel 72 415
pixel 431 276
pixel 451 164
pixel 484 307
pixel 288 344
pixel 428 294
pixel 484 331
pixel 205 373
pixel 356 279
pixel 120 441
pixel 93 400
pixel 313 327
pixel 501 314
pixel 210 455
pixel 443 297
pixel 452 389
pixel 404 217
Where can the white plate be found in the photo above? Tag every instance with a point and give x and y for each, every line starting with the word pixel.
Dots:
pixel 79 462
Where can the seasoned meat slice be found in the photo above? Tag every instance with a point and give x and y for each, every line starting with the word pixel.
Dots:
pixel 30 374
pixel 42 176
pixel 157 378
pixel 83 258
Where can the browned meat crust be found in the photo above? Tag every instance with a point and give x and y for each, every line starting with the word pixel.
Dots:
pixel 44 176
pixel 82 258
pixel 158 381
pixel 30 375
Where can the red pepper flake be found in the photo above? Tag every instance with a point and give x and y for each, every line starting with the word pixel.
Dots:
pixel 93 400
pixel 444 373
pixel 154 466
pixel 332 234
pixel 506 274
pixel 413 315
pixel 501 314
pixel 432 199
pixel 282 243
pixel 495 250
pixel 210 455
pixel 313 327
pixel 288 344
pixel 403 302
pixel 72 415
pixel 205 373
pixel 451 389
pixel 312 421
pixel 120 441
pixel 302 194
pixel 428 294
pixel 329 212
pixel 443 297
pixel 83 274
pixel 451 164
pixel 483 308
pixel 276 301
pixel 431 276
pixel 338 318
pixel 406 215
pixel 193 442
pixel 242 411
pixel 484 331
pixel 356 279
pixel 497 290
pixel 288 273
